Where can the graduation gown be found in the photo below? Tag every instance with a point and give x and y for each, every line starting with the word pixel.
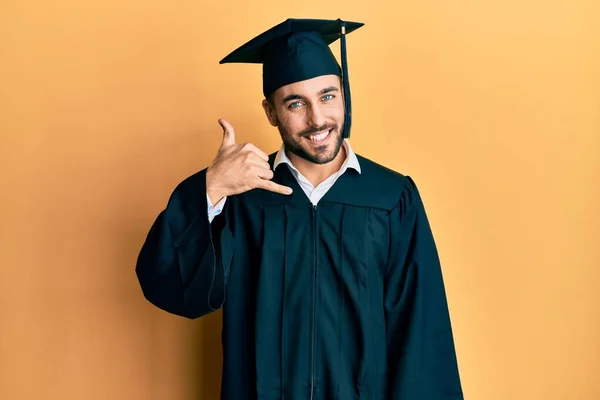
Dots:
pixel 343 300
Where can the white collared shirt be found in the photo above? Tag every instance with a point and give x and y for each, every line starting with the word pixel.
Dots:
pixel 313 193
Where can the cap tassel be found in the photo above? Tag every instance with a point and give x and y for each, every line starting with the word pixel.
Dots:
pixel 345 82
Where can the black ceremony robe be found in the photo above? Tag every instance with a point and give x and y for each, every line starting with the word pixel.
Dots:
pixel 343 300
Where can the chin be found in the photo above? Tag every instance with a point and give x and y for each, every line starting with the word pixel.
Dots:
pixel 326 156
pixel 315 153
pixel 321 155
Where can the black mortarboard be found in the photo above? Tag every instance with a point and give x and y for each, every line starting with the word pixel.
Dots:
pixel 296 50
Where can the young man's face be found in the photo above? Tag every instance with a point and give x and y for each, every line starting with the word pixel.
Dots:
pixel 310 117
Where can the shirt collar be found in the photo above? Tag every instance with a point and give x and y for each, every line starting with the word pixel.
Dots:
pixel 350 162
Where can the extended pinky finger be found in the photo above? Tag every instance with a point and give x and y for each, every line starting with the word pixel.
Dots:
pixel 274 187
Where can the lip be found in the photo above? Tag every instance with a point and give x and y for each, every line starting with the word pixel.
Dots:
pixel 328 131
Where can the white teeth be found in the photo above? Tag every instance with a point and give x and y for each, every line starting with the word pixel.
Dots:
pixel 319 137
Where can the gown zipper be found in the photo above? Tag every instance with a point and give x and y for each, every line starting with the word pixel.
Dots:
pixel 314 301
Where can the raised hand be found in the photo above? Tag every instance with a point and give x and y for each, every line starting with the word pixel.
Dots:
pixel 238 168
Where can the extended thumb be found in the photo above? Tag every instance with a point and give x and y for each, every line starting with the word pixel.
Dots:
pixel 228 133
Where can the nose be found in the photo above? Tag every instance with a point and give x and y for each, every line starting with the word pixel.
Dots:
pixel 316 116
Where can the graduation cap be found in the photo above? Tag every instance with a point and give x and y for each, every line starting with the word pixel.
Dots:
pixel 296 50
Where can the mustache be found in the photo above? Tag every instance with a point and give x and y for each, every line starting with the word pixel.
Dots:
pixel 315 129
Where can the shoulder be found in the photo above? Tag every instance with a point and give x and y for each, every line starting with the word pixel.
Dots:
pixel 391 189
pixel 384 182
pixel 383 174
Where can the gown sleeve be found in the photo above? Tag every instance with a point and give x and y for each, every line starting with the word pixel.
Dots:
pixel 183 264
pixel 422 362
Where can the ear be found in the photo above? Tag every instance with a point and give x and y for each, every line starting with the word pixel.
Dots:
pixel 270 112
pixel 342 89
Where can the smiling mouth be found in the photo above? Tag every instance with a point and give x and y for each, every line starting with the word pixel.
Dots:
pixel 319 136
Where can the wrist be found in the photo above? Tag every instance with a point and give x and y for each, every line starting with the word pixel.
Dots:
pixel 214 192
pixel 214 196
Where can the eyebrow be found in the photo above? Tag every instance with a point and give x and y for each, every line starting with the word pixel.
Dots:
pixel 298 97
pixel 292 97
pixel 328 90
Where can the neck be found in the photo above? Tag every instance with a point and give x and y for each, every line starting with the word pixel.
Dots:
pixel 317 173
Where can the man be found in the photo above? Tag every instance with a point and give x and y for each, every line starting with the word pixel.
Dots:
pixel 323 261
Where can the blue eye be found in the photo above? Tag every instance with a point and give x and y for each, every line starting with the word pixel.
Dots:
pixel 295 104
pixel 327 97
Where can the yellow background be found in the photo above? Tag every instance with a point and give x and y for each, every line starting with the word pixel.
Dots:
pixel 492 106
